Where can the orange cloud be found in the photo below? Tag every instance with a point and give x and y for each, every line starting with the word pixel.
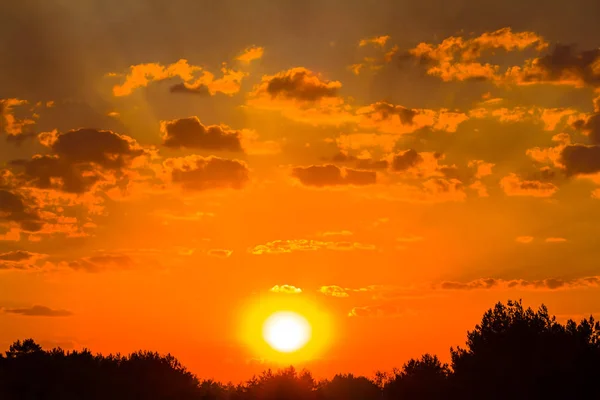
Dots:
pixel 515 186
pixel 302 95
pixel 377 41
pixel 395 119
pixel 524 239
pixel 555 240
pixel 289 246
pixel 483 168
pixel 456 58
pixel 562 66
pixel 250 54
pixel 142 75
pixel 220 253
pixel 9 123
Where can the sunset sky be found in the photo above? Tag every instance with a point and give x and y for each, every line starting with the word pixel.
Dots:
pixel 171 172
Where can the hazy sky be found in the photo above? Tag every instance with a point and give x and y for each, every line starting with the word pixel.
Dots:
pixel 173 171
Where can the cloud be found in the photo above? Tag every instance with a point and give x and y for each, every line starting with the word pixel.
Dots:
pixel 521 284
pixel 198 173
pixel 220 253
pixel 564 65
pixel 191 133
pixel 483 168
pixel 336 233
pixel 15 208
pixel 406 160
pixel 38 311
pixel 555 240
pixel 388 310
pixel 195 79
pixel 19 259
pixel 395 119
pixel 513 185
pixel 478 284
pixel 524 239
pixel 286 289
pixel 101 262
pixel 357 141
pixel 289 246
pixel 579 159
pixel 457 58
pixel 303 96
pixel 250 54
pixel 298 84
pixel 430 191
pixel 9 122
pixel 376 41
pixel 80 159
pixel 334 291
pixel 331 175
pixel 12 234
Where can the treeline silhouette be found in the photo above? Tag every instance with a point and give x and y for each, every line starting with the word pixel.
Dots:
pixel 514 353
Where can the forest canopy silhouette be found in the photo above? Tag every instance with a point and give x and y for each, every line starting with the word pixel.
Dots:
pixel 512 353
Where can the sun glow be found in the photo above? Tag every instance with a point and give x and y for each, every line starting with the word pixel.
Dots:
pixel 286 331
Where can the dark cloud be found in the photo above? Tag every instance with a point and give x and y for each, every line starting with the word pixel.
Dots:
pixel 406 160
pixel 478 284
pixel 17 256
pixel 52 172
pixel 201 90
pixel 38 311
pixel 79 160
pixel 331 175
pixel 591 127
pixel 300 84
pixel 191 133
pixel 387 110
pixel 19 259
pixel 101 262
pixel 368 163
pixel 548 284
pixel 105 148
pixel 13 207
pixel 565 64
pixel 203 173
pixel 580 159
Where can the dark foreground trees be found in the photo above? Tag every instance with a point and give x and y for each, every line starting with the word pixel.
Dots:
pixel 514 353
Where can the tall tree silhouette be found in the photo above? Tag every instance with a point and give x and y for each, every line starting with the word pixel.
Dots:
pixel 519 353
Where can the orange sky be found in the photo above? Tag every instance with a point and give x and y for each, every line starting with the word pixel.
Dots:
pixel 171 172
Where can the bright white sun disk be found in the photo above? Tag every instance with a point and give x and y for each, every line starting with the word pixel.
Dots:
pixel 286 331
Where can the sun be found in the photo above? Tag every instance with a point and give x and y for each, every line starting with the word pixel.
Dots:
pixel 286 331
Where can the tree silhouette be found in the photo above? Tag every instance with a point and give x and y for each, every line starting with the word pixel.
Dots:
pixel 513 353
pixel 522 354
pixel 424 378
pixel 348 387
